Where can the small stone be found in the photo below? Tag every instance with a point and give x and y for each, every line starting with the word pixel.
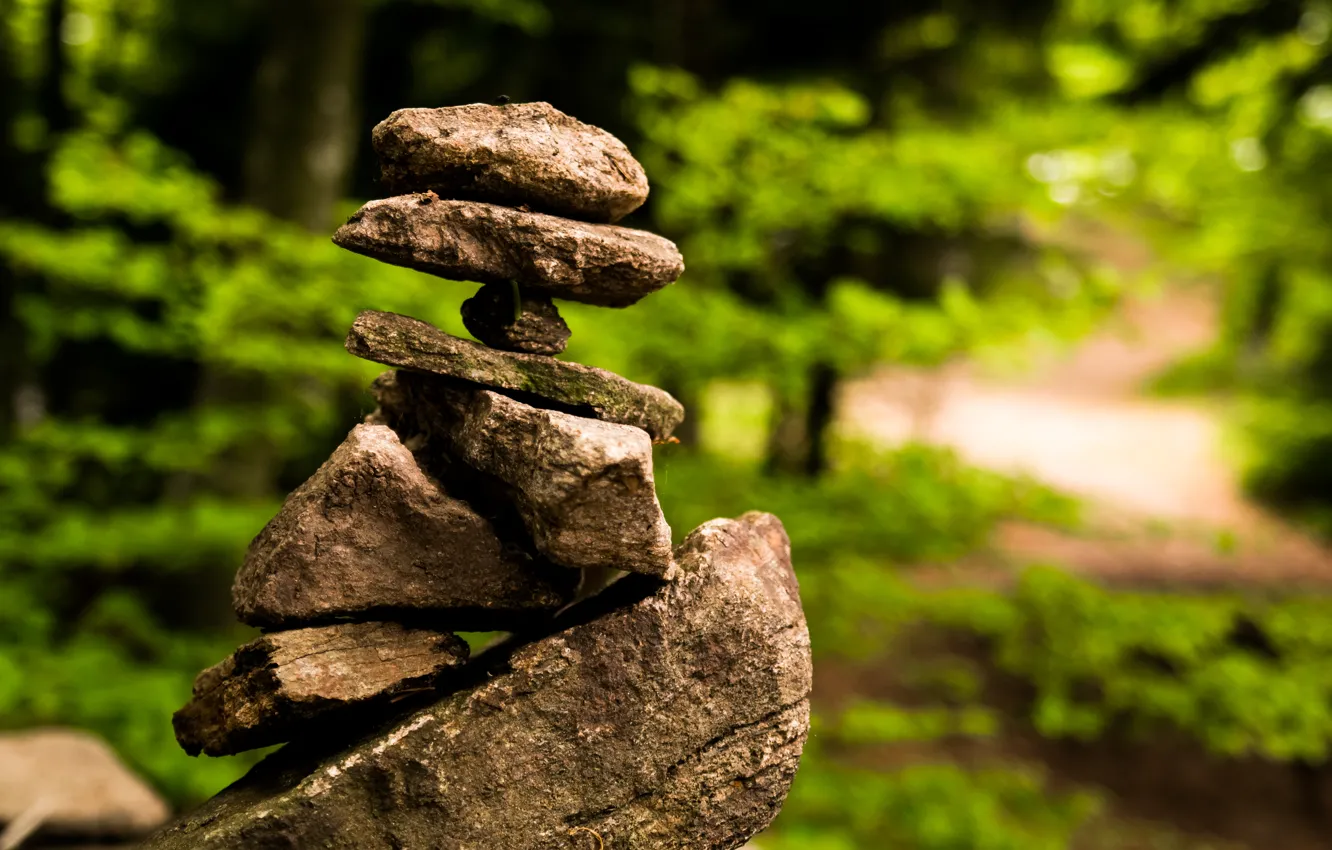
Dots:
pixel 536 327
pixel 674 720
pixel 372 536
pixel 514 154
pixel 272 687
pixel 462 240
pixel 583 487
pixel 68 783
pixel 408 343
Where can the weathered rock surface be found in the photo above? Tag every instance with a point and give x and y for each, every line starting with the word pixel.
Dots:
pixel 532 326
pixel 465 240
pixel 371 536
pixel 583 487
pixel 69 783
pixel 673 721
pixel 408 343
pixel 521 153
pixel 270 688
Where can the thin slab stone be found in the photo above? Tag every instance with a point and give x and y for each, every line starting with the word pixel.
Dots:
pixel 465 240
pixel 532 326
pixel 665 716
pixel 408 343
pixel 271 688
pixel 372 536
pixel 517 154
pixel 583 487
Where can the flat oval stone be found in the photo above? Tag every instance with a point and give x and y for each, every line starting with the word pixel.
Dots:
pixel 408 343
pixel 517 154
pixel 462 240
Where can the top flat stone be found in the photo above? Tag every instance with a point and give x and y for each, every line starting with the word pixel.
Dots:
pixel 518 154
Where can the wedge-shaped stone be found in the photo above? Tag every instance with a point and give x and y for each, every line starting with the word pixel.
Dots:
pixel 408 343
pixel 533 325
pixel 517 154
pixel 371 536
pixel 465 240
pixel 271 688
pixel 583 487
pixel 671 717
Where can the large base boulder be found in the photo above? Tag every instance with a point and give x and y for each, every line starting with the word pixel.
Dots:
pixel 664 716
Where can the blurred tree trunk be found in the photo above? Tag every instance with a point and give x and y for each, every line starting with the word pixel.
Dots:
pixel 25 196
pixel 305 111
pixel 798 436
pixel 301 143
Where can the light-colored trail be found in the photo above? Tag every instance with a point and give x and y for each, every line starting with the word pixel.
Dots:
pixel 1164 497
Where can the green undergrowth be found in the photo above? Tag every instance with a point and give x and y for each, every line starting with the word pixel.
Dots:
pixel 1238 676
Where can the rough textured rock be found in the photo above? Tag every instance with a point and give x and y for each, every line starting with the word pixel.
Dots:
pixel 69 783
pixel 673 722
pixel 409 343
pixel 521 153
pixel 272 687
pixel 465 240
pixel 583 487
pixel 371 536
pixel 533 326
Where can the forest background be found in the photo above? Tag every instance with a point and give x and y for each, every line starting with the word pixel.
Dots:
pixel 854 185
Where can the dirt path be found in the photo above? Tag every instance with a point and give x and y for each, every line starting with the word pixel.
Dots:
pixel 1165 502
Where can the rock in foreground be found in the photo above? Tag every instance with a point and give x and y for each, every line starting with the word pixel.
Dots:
pixel 521 153
pixel 583 487
pixel 409 343
pixel 463 240
pixel 69 783
pixel 673 722
pixel 270 688
pixel 371 536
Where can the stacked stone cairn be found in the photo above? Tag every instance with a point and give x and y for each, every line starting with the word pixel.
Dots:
pixel 496 488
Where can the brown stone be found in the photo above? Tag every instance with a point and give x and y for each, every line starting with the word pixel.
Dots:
pixel 271 688
pixel 665 716
pixel 372 536
pixel 409 343
pixel 68 782
pixel 583 487
pixel 517 154
pixel 464 240
pixel 532 326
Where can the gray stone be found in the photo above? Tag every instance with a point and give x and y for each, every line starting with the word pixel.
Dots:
pixel 408 343
pixel 464 240
pixel 68 782
pixel 583 487
pixel 273 688
pixel 533 326
pixel 665 716
pixel 372 536
pixel 516 154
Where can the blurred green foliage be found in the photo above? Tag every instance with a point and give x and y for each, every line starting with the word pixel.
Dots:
pixel 878 198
